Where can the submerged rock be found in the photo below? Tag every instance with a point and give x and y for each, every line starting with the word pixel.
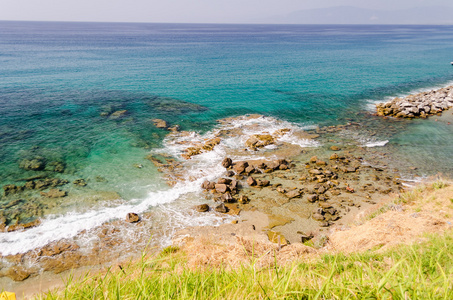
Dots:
pixel 48 182
pixel 159 123
pixel 174 106
pixel 54 193
pixel 118 114
pixel 57 167
pixel 80 182
pixel 35 164
pixel 11 189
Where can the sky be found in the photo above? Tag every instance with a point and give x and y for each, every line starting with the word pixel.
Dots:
pixel 182 11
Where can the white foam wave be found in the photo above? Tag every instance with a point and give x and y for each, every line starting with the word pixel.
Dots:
pixel 303 143
pixel 376 144
pixel 248 126
pixel 412 181
pixel 55 228
pixel 179 220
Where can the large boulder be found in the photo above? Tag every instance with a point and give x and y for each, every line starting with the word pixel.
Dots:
pixel 224 181
pixel 251 181
pixel 221 188
pixel 240 167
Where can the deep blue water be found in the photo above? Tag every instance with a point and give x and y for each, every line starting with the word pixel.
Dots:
pixel 57 78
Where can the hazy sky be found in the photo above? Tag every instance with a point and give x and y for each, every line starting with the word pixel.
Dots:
pixel 202 11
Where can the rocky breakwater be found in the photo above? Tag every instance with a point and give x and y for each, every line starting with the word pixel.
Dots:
pixel 420 105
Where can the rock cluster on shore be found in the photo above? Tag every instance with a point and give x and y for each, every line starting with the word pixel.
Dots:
pixel 419 105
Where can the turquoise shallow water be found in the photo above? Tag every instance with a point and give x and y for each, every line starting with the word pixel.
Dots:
pixel 56 79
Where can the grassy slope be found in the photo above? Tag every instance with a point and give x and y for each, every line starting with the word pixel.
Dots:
pixel 417 271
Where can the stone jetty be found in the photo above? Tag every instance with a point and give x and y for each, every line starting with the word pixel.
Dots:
pixel 420 105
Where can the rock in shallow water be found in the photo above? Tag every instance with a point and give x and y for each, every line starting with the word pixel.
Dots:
pixel 159 123
pixel 221 208
pixel 10 189
pixel 202 208
pixel 18 273
pixel 132 218
pixel 36 164
pixel 227 162
pixel 54 193
pixel 80 182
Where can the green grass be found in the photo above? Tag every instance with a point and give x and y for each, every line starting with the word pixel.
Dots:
pixel 421 271
pixel 439 184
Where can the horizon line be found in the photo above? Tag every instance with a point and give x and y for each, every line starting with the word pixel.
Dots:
pixel 232 23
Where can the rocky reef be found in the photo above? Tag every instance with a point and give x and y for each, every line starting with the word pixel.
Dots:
pixel 420 105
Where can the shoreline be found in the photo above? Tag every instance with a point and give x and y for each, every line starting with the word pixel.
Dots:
pixel 62 255
pixel 401 220
pixel 255 193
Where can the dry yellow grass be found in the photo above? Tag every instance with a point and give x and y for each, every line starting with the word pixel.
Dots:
pixel 425 209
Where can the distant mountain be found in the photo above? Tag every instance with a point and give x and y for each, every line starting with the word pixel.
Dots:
pixel 356 15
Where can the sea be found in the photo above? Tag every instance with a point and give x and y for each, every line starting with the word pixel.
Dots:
pixel 82 96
